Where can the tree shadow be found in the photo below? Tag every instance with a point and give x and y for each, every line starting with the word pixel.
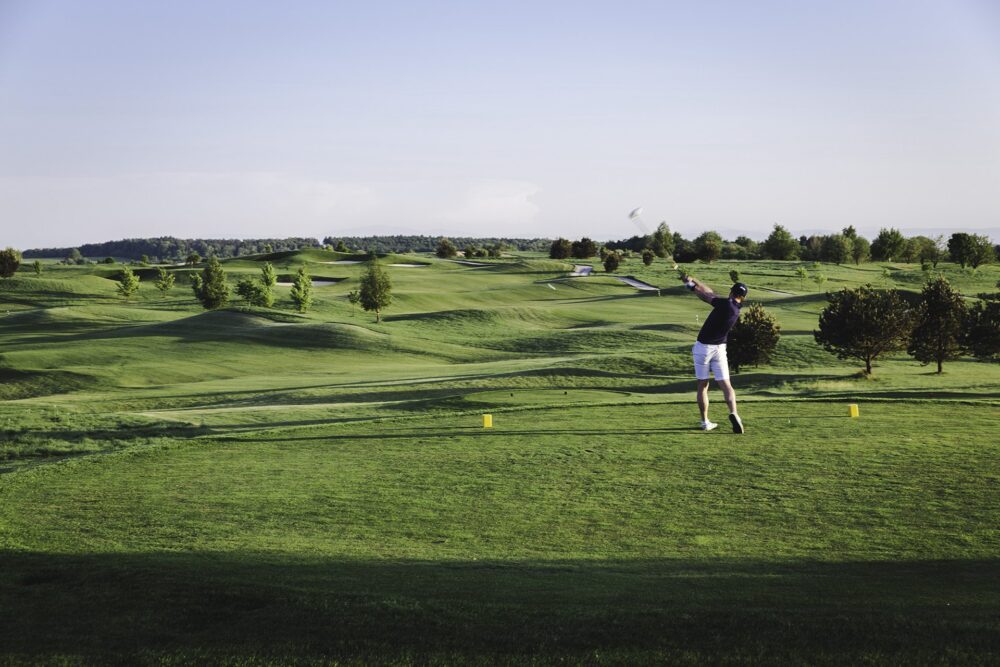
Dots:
pixel 259 607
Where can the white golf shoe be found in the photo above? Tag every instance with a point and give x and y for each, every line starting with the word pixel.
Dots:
pixel 708 426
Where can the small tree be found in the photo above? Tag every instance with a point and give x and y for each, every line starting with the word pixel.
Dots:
pixel 801 272
pixel 820 280
pixel 446 249
pixel 734 275
pixel 940 318
pixel 164 281
pixel 193 258
pixel 611 262
pixel 267 276
pixel 255 293
pixel 128 283
pixel 662 241
pixel 354 296
pixel 74 257
pixel 886 275
pixel 196 285
pixel 340 247
pixel 10 260
pixel 37 266
pixel 108 260
pixel 214 292
pixel 560 249
pixel 301 291
pixel 376 289
pixel 753 338
pixel 648 256
pixel 864 323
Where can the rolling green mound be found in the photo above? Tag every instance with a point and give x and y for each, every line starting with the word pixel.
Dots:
pixel 260 486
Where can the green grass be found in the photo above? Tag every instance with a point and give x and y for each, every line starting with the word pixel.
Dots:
pixel 261 487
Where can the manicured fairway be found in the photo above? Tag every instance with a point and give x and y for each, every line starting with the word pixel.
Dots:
pixel 250 488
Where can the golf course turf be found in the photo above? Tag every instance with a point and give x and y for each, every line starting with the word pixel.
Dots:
pixel 253 486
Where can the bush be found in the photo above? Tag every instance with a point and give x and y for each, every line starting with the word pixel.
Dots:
pixel 611 262
pixel 255 293
pixel 753 338
pixel 10 260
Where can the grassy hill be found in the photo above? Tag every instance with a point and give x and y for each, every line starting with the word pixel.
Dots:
pixel 251 486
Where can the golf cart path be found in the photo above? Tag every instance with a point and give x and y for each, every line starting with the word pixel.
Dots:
pixel 315 282
pixel 582 270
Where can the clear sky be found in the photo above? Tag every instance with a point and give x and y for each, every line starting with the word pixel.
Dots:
pixel 219 118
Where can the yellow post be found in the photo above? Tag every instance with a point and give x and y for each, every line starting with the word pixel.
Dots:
pixel 487 421
pixel 853 410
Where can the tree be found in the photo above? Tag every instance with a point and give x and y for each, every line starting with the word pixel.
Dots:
pixel 940 319
pixel 196 285
pixel 611 262
pixel 583 248
pixel 751 247
pixel 801 272
pixel 819 279
pixel 214 292
pixel 850 232
pixel 354 296
pixel 301 291
pixel 753 338
pixel 164 281
pixel 970 249
pixel 887 245
pixel 108 260
pixel 648 256
pixel 982 328
pixel 924 249
pixel 445 249
pixel 780 244
pixel 734 276
pixel 662 241
pixel 864 323
pixel 376 289
pixel 267 276
pixel 74 257
pixel 340 247
pixel 561 249
pixel 255 292
pixel 128 283
pixel 836 248
pixel 860 249
pixel 10 260
pixel 708 246
pixel 192 259
pixel 37 267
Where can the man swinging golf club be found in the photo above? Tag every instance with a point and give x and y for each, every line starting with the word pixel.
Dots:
pixel 710 349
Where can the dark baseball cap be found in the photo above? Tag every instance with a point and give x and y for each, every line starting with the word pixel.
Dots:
pixel 739 289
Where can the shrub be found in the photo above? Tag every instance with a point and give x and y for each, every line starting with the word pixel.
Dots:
pixel 753 338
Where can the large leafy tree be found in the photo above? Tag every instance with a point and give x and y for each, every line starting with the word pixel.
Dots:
pixel 445 249
pixel 940 320
pixel 888 245
pixel 560 249
pixel 662 241
pixel 584 248
pixel 836 248
pixel 780 244
pixel 376 289
pixel 860 249
pixel 10 260
pixel 970 249
pixel 708 246
pixel 213 291
pixel 864 323
pixel 982 328
pixel 753 338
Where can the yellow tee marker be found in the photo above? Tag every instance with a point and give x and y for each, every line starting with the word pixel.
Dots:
pixel 852 410
pixel 487 421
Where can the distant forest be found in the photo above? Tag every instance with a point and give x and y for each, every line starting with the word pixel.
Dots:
pixel 169 248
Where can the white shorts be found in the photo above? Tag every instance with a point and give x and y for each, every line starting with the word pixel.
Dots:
pixel 710 357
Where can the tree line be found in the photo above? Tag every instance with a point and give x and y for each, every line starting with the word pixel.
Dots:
pixel 170 248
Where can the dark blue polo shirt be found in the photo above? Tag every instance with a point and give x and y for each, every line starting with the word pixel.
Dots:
pixel 716 328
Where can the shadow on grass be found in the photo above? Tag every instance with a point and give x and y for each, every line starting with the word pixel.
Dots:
pixel 213 607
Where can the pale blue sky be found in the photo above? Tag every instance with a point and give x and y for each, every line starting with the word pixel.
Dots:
pixel 250 119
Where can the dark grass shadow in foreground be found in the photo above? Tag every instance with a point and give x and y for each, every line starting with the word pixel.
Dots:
pixel 218 607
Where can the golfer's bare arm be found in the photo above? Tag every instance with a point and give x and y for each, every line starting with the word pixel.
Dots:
pixel 704 292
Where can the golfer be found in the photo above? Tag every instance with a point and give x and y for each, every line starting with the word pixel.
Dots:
pixel 710 349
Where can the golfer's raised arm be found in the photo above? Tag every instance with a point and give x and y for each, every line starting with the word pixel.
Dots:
pixel 703 291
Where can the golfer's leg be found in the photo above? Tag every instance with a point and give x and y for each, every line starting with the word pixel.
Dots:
pixel 729 394
pixel 703 399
